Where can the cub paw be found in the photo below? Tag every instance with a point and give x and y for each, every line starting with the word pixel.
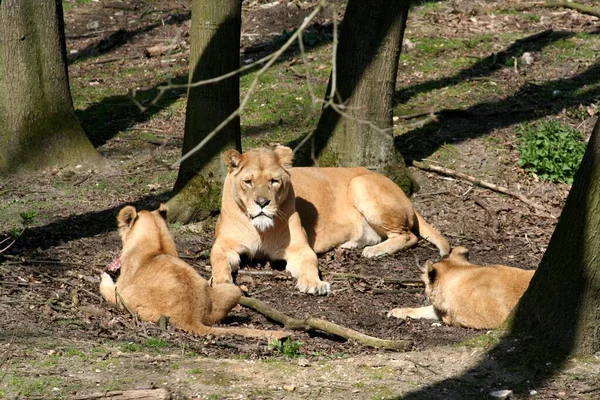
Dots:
pixel 313 285
pixel 220 279
pixel 401 313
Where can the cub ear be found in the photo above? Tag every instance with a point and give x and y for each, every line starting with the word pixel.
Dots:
pixel 126 217
pixel 427 267
pixel 460 253
pixel 162 210
pixel 232 158
pixel 285 155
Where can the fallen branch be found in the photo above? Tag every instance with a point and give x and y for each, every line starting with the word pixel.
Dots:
pixel 312 323
pixel 478 182
pixel 139 394
pixel 573 6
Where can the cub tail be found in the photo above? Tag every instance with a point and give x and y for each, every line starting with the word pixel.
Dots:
pixel 429 233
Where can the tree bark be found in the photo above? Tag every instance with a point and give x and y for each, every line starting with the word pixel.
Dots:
pixel 215 50
pixel 562 304
pixel 366 69
pixel 38 127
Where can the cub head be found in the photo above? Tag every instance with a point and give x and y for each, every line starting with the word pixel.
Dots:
pixel 260 182
pixel 148 229
pixel 430 272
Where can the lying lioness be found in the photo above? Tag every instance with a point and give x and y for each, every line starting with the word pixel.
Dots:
pixel 468 295
pixel 270 209
pixel 153 281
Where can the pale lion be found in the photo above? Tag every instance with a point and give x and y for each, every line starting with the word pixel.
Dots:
pixel 468 295
pixel 154 281
pixel 270 209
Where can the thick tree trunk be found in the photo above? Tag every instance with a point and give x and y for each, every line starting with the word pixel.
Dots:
pixel 215 50
pixel 38 127
pixel 366 69
pixel 562 304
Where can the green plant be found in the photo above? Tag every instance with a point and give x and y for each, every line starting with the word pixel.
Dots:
pixel 288 348
pixel 156 342
pixel 27 217
pixel 551 150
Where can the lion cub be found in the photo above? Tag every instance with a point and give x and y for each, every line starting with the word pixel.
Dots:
pixel 468 295
pixel 154 281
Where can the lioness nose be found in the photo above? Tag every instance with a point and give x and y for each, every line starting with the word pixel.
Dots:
pixel 261 201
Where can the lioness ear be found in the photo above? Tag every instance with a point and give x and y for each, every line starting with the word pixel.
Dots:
pixel 126 216
pixel 285 155
pixel 461 253
pixel 232 158
pixel 162 210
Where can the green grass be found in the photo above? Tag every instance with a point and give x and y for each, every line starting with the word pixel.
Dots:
pixel 157 343
pixel 484 341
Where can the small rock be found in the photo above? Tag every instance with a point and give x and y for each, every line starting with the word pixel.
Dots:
pixel 92 25
pixel 407 44
pixel 501 394
pixel 556 93
pixel 289 388
pixel 303 362
pixel 533 393
pixel 527 58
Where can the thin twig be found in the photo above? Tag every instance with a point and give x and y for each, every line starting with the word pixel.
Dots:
pixel 573 6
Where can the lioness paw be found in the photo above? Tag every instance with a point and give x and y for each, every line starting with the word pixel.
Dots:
pixel 373 251
pixel 313 285
pixel 402 313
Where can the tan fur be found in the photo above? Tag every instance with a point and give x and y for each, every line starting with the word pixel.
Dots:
pixel 154 281
pixel 309 210
pixel 468 295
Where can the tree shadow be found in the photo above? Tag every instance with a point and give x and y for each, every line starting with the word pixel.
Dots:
pixel 530 102
pixel 487 65
pixel 546 327
pixel 123 36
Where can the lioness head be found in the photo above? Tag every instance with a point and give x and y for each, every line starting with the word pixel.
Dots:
pixel 147 228
pixel 260 182
pixel 430 271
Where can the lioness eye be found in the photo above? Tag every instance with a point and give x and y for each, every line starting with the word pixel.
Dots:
pixel 274 181
pixel 248 182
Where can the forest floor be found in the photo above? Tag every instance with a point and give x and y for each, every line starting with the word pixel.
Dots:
pixel 463 60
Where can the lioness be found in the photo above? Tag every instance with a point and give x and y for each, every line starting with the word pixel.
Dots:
pixel 270 209
pixel 468 295
pixel 154 281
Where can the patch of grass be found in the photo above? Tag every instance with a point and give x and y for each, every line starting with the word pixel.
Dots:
pixel 195 371
pixel 73 352
pixel 156 343
pixel 484 341
pixel 436 45
pixel 42 387
pixel 213 396
pixel 130 347
pixel 288 348
pixel 531 18
pixel 551 150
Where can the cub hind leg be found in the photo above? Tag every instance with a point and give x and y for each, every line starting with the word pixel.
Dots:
pixel 386 210
pixel 414 313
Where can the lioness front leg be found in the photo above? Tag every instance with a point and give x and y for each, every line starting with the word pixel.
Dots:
pixel 224 259
pixel 302 264
pixel 414 313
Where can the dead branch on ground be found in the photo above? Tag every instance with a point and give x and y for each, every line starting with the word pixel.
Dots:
pixel 478 182
pixel 138 394
pixel 582 8
pixel 311 323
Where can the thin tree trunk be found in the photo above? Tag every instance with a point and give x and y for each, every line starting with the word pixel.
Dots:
pixel 38 127
pixel 366 69
pixel 562 303
pixel 215 50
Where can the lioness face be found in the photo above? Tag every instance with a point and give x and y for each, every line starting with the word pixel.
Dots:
pixel 429 276
pixel 260 182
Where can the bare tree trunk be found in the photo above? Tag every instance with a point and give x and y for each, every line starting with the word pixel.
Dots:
pixel 38 127
pixel 366 68
pixel 562 303
pixel 215 50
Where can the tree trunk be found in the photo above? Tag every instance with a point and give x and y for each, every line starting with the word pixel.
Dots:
pixel 38 127
pixel 215 50
pixel 366 68
pixel 562 303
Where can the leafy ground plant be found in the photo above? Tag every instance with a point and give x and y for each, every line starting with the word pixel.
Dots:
pixel 288 348
pixel 551 150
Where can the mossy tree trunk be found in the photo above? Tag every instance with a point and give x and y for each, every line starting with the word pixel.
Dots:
pixel 38 128
pixel 215 50
pixel 562 304
pixel 366 68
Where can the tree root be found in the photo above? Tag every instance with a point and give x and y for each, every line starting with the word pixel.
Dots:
pixel 312 323
pixel 478 182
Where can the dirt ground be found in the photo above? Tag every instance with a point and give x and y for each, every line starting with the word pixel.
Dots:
pixel 60 339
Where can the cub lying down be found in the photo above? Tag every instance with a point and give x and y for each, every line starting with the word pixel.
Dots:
pixel 468 295
pixel 154 281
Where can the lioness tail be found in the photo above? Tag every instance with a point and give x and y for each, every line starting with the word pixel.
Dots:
pixel 430 234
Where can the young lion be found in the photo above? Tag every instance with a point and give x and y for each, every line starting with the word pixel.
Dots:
pixel 154 281
pixel 270 209
pixel 468 295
